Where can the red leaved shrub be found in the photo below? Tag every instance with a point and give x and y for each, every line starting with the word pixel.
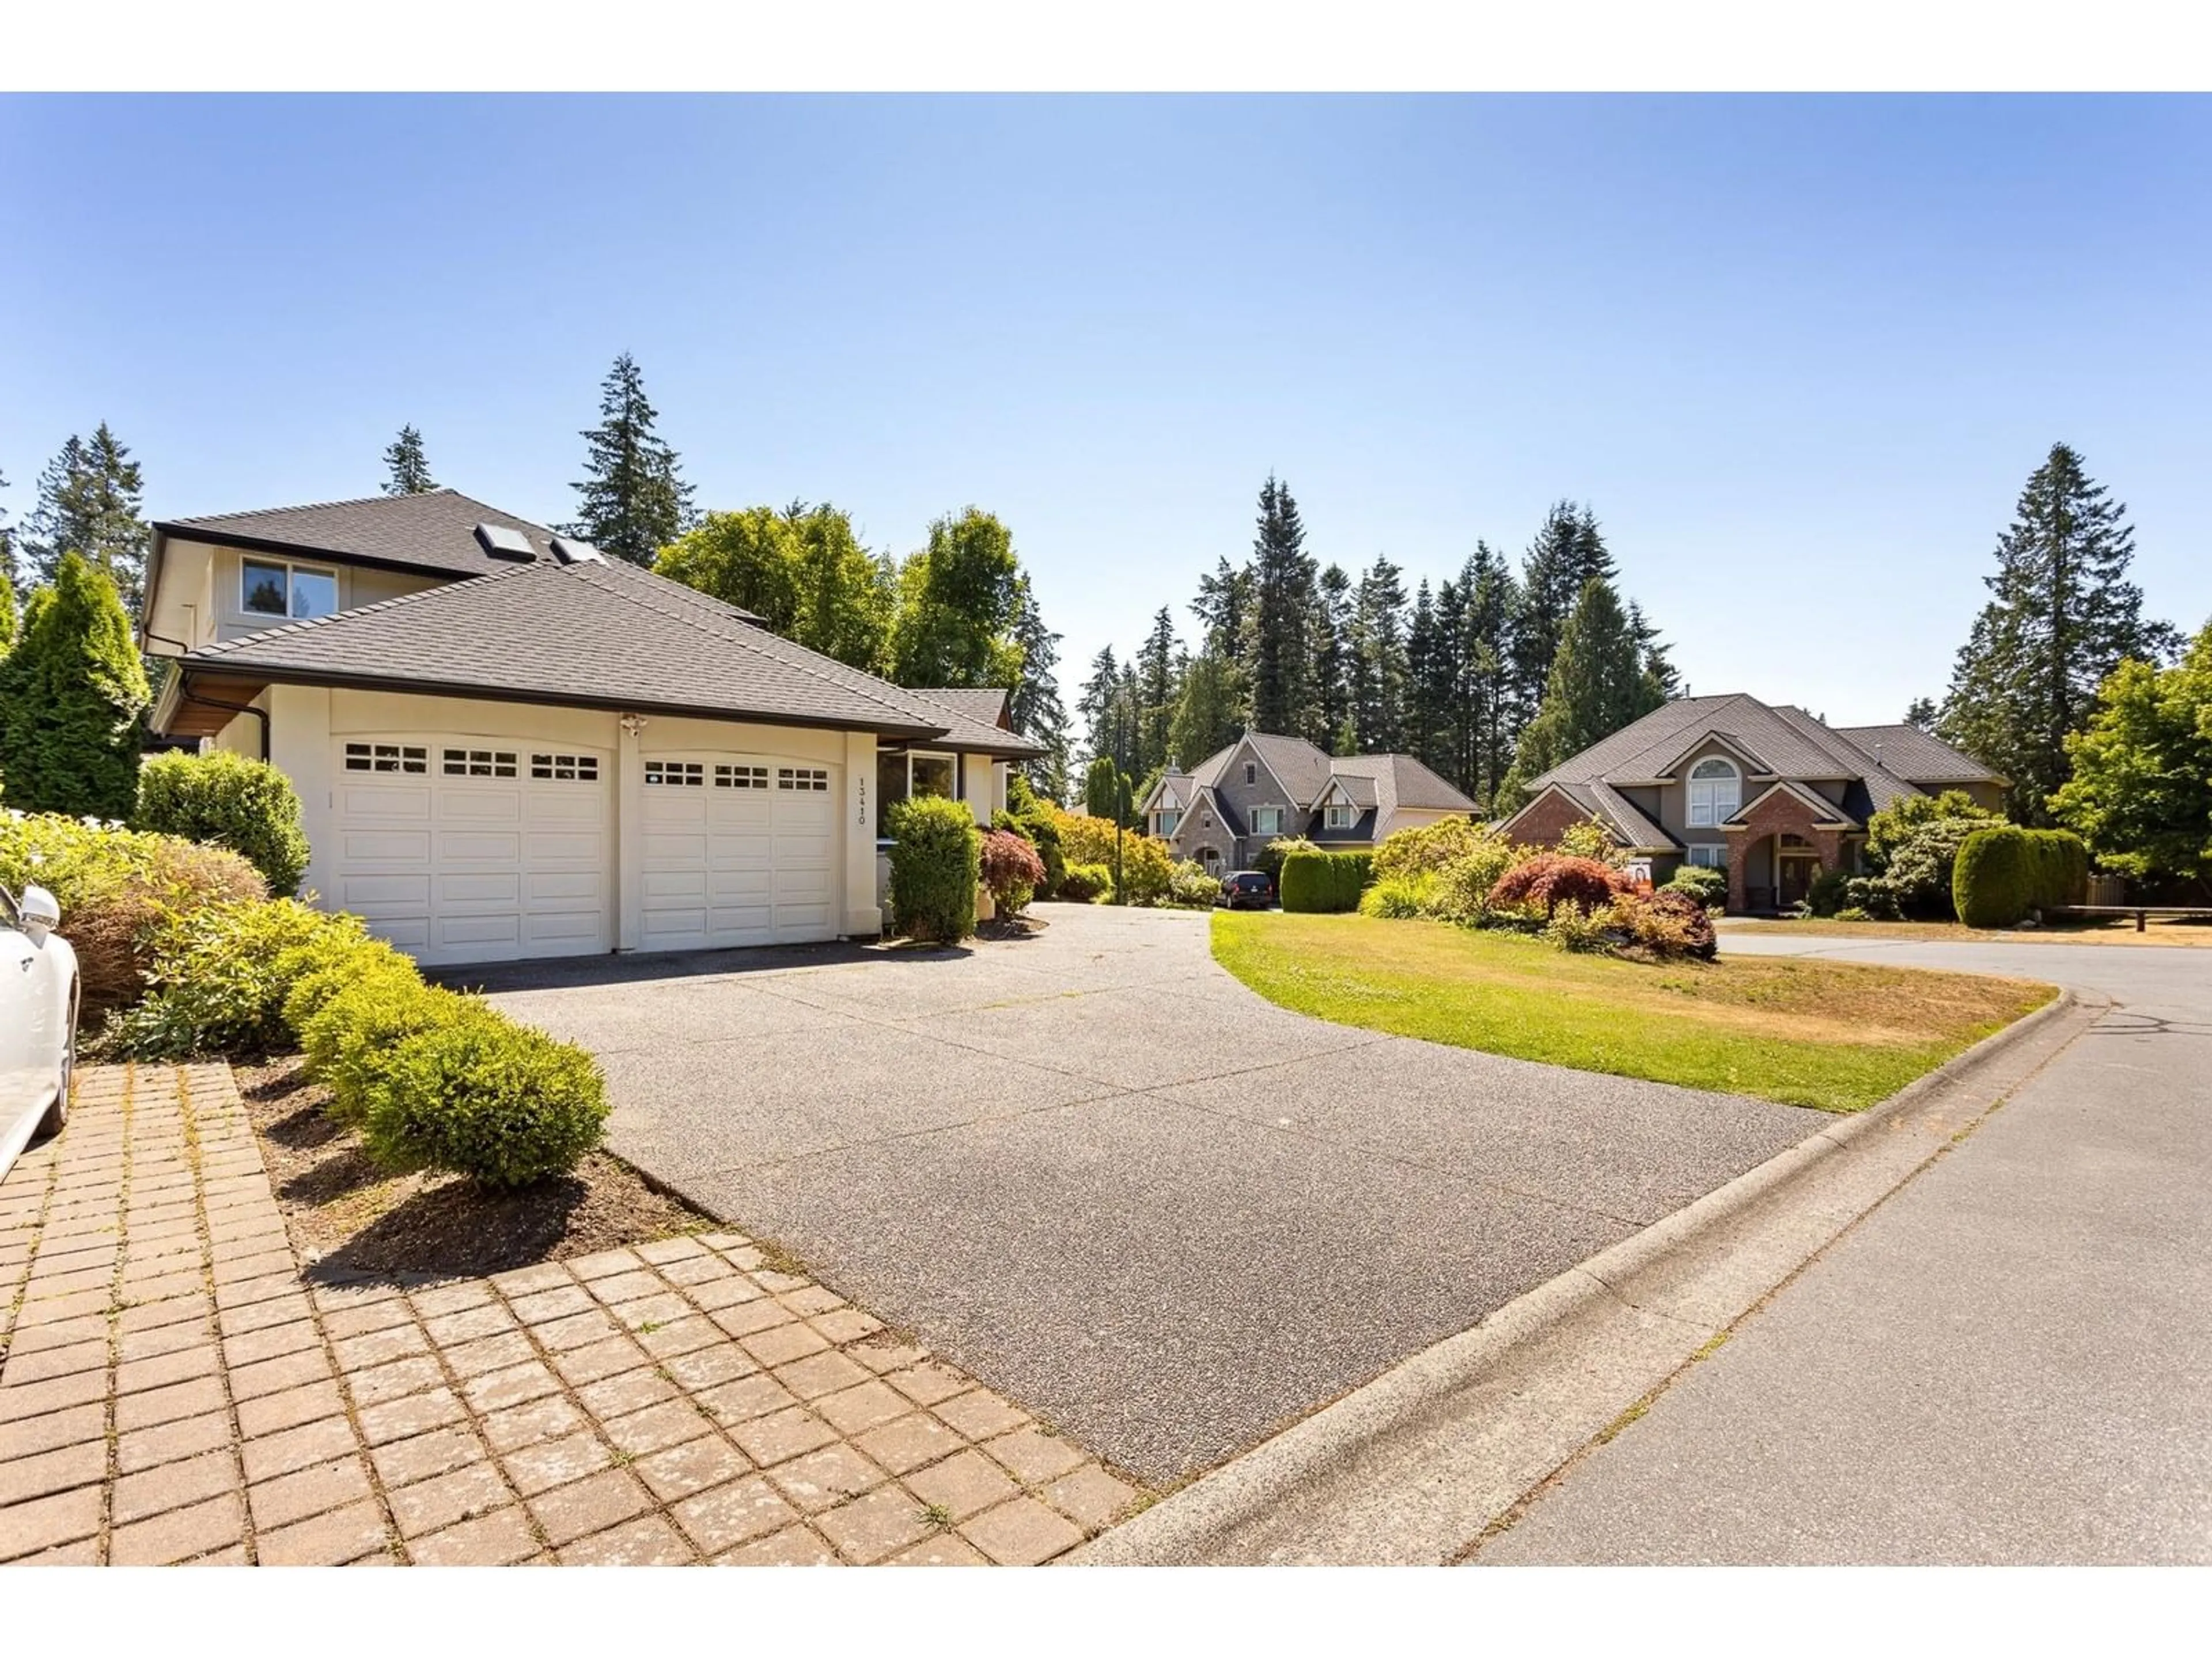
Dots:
pixel 1548 879
pixel 1011 870
pixel 1666 924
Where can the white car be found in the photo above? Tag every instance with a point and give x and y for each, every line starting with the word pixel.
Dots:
pixel 38 1020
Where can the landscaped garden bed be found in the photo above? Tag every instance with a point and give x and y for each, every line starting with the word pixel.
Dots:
pixel 2064 930
pixel 1835 1036
pixel 347 1214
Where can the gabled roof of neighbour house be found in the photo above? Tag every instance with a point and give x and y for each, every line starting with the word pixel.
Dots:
pixel 600 634
pixel 1399 783
pixel 1173 792
pixel 1783 745
pixel 434 531
pixel 1386 782
pixel 984 705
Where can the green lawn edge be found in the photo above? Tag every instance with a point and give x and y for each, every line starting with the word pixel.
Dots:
pixel 1551 1008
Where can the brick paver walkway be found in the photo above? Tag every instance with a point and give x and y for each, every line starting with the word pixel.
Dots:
pixel 173 1389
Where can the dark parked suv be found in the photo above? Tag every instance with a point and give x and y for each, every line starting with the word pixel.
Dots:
pixel 1247 889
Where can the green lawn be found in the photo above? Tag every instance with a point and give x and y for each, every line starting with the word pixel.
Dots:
pixel 1832 1034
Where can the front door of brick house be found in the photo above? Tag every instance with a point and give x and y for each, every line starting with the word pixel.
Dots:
pixel 1795 877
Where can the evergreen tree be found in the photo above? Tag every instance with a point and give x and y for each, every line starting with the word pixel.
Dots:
pixel 2063 615
pixel 1223 600
pixel 1104 706
pixel 2141 794
pixel 1423 713
pixel 1035 707
pixel 956 601
pixel 1488 695
pixel 1600 683
pixel 1209 712
pixel 407 471
pixel 1332 651
pixel 7 540
pixel 1276 650
pixel 1657 661
pixel 1103 787
pixel 1922 712
pixel 72 695
pixel 88 503
pixel 7 613
pixel 1378 657
pixel 1155 694
pixel 1568 551
pixel 634 500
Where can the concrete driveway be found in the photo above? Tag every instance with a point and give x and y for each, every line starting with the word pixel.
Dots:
pixel 1101 1175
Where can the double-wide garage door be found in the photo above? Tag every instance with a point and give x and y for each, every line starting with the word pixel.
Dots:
pixel 468 849
pixel 739 849
pixel 464 849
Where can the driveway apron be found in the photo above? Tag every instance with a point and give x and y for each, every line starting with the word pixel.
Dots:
pixel 1095 1170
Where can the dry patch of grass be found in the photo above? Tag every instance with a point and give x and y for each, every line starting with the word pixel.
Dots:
pixel 345 1214
pixel 1835 1036
pixel 2103 930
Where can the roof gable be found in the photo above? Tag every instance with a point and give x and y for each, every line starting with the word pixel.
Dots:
pixel 432 532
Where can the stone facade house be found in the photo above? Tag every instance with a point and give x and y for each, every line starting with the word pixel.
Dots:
pixel 1764 791
pixel 1262 788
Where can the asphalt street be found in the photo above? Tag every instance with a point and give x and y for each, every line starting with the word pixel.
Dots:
pixel 1096 1171
pixel 2009 1361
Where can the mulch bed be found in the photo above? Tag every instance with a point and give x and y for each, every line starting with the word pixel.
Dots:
pixel 346 1216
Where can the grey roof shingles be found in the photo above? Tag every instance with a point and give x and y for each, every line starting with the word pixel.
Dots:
pixel 435 530
pixel 602 635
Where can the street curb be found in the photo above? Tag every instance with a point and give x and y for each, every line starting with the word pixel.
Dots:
pixel 1416 1397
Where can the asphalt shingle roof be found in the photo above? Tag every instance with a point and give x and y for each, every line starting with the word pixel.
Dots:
pixel 435 530
pixel 1907 752
pixel 598 634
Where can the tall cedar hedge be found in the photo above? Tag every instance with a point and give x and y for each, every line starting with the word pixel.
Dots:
pixel 936 861
pixel 72 695
pixel 1326 881
pixel 2003 873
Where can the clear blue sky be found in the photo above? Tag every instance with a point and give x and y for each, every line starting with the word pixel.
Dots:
pixel 1798 354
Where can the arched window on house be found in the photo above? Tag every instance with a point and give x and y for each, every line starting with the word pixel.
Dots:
pixel 1715 791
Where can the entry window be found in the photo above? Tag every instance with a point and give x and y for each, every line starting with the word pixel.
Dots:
pixel 275 587
pixel 803 777
pixel 905 775
pixel 1711 855
pixel 1715 791
pixel 741 777
pixel 1266 820
pixel 386 758
pixel 479 764
pixel 570 768
pixel 676 774
pixel 1168 822
pixel 1338 818
pixel 931 774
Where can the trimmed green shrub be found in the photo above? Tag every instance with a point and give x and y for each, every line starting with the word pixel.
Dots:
pixel 1192 887
pixel 351 1040
pixel 480 1096
pixel 1428 847
pixel 1010 869
pixel 1325 882
pixel 1086 883
pixel 1462 892
pixel 1827 893
pixel 1872 897
pixel 2003 873
pixel 73 695
pixel 1269 859
pixel 219 979
pixel 1400 897
pixel 119 890
pixel 1891 828
pixel 227 801
pixel 936 864
pixel 1707 886
pixel 1919 873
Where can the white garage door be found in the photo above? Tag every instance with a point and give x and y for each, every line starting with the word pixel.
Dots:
pixel 471 849
pixel 739 849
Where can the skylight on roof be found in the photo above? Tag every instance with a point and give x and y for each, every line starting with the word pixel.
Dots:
pixel 504 541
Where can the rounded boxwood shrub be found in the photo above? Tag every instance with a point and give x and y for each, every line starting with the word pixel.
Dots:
pixel 351 1038
pixel 1329 882
pixel 228 800
pixel 479 1096
pixel 1990 878
pixel 936 863
pixel 1086 883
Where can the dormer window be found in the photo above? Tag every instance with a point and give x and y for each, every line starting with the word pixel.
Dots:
pixel 277 588
pixel 1169 818
pixel 1338 818
pixel 1715 791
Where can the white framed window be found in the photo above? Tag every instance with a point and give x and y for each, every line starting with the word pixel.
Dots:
pixel 477 763
pixel 1168 822
pixel 1715 791
pixel 386 758
pixel 1266 820
pixel 566 769
pixel 1338 818
pixel 741 777
pixel 277 588
pixel 1712 855
pixel 803 777
pixel 675 774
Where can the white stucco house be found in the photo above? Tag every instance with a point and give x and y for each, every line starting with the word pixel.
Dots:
pixel 507 746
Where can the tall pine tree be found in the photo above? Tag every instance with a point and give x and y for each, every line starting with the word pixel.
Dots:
pixel 1332 652
pixel 1488 692
pixel 634 501
pixel 1278 651
pixel 406 469
pixel 1156 694
pixel 2062 616
pixel 1209 712
pixel 1600 683
pixel 1034 707
pixel 1567 552
pixel 1421 723
pixel 1378 656
pixel 7 540
pixel 89 504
